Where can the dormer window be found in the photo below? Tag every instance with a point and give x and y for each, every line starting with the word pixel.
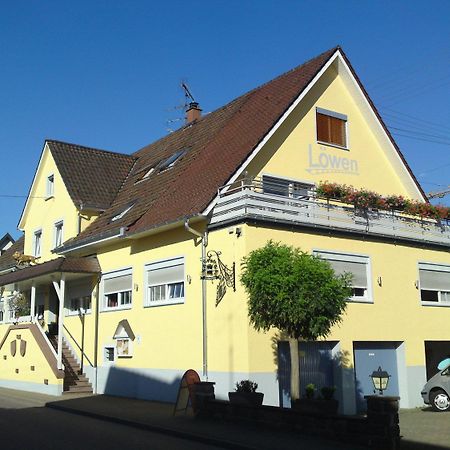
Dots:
pixel 50 192
pixel 331 128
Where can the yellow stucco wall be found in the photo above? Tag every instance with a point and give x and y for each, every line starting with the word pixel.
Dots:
pixel 32 367
pixel 396 313
pixel 293 151
pixel 42 212
pixel 167 336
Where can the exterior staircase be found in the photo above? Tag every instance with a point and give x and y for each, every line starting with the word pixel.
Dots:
pixel 74 380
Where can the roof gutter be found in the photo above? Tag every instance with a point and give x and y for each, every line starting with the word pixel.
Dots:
pixel 93 241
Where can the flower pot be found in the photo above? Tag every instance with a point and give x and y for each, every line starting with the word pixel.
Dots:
pixel 246 398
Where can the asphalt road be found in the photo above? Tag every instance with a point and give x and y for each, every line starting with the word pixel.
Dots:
pixel 25 424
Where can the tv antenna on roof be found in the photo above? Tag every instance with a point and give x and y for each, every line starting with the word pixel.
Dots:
pixel 189 98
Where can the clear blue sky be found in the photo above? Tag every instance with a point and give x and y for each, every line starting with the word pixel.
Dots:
pixel 106 74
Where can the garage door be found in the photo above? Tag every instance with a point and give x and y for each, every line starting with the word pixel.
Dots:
pixel 368 357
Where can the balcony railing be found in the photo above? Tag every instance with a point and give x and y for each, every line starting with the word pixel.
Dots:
pixel 296 205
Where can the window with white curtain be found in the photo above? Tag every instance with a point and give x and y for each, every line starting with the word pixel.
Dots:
pixel 434 280
pixel 117 288
pixel 358 266
pixel 165 282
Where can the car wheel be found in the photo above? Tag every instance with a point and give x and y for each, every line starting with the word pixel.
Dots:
pixel 440 401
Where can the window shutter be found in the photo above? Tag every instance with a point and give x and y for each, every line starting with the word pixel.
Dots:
pixel 165 275
pixel 331 129
pixel 337 127
pixel 277 186
pixel 323 127
pixel 117 284
pixel 434 280
pixel 78 290
pixel 357 269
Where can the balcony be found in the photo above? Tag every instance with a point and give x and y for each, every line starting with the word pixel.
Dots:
pixel 253 200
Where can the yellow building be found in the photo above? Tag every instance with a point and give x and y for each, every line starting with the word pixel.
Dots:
pixel 122 285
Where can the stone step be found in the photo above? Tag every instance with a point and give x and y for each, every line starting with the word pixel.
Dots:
pixel 79 384
pixel 75 379
pixel 79 389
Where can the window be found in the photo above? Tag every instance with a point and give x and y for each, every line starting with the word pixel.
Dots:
pixel 434 284
pixel 171 160
pixel 109 354
pixel 40 312
pixel 331 127
pixel 37 241
pixel 59 226
pixel 117 290
pixel 122 213
pixel 1 316
pixel 358 266
pixel 50 185
pixel 165 282
pixel 82 304
pixel 286 187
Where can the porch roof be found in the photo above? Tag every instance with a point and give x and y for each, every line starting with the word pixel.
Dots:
pixel 58 265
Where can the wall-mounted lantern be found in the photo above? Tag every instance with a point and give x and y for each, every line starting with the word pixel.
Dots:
pixel 214 269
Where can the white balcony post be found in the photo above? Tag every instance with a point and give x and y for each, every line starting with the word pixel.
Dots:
pixel 60 291
pixel 33 301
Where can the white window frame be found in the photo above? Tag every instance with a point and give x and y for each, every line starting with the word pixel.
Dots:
pixel 37 233
pixel 356 258
pixel 161 264
pixel 50 186
pixel 121 214
pixel 344 117
pixel 116 274
pixel 58 225
pixel 443 268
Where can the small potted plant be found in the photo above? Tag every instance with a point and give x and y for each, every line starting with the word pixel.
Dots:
pixel 245 394
pixel 324 404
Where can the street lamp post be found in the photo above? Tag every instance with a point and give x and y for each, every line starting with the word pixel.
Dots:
pixel 380 380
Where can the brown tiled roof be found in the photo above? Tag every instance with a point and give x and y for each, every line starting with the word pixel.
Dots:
pixel 92 177
pixel 68 265
pixel 6 260
pixel 215 147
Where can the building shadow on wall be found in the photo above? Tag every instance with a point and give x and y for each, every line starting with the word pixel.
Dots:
pixel 320 366
pixel 128 383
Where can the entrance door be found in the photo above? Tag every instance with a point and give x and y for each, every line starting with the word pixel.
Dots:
pixel 368 357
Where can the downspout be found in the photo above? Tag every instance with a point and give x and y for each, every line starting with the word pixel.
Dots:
pixel 97 300
pixel 204 238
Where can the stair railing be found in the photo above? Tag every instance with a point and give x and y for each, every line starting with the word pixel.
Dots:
pixel 78 346
pixel 46 339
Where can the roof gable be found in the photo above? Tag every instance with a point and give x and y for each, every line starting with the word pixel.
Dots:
pixel 219 147
pixel 7 261
pixel 91 176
